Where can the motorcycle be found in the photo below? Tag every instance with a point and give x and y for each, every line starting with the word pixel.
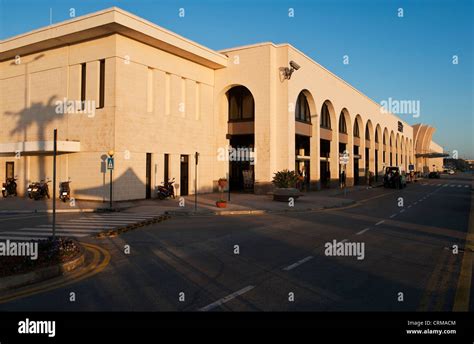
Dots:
pixel 166 190
pixel 64 191
pixel 30 188
pixel 40 190
pixel 9 187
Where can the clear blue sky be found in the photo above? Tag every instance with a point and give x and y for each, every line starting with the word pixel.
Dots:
pixel 407 58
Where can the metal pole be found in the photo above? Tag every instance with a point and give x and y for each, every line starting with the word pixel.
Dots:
pixel 228 187
pixel 54 180
pixel 195 180
pixel 110 189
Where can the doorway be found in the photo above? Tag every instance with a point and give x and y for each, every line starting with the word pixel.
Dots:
pixel 148 176
pixel 184 173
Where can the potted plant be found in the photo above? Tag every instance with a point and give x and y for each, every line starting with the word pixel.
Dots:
pixel 285 186
pixel 222 183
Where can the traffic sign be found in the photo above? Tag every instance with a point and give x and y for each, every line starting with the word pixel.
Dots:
pixel 110 163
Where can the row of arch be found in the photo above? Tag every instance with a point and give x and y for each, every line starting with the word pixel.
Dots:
pixel 399 145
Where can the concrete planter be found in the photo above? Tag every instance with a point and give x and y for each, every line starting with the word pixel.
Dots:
pixel 17 281
pixel 284 194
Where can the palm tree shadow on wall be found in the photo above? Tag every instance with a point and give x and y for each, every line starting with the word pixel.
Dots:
pixel 126 181
pixel 40 116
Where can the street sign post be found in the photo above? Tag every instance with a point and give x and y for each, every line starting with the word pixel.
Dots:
pixel 110 167
pixel 343 161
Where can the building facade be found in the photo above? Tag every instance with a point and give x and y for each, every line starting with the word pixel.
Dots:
pixel 113 81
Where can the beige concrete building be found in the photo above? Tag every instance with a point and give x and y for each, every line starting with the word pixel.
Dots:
pixel 113 81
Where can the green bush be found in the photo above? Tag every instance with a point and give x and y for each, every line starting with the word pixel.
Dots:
pixel 285 179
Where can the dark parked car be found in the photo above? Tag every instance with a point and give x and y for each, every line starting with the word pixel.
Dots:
pixel 393 178
pixel 436 175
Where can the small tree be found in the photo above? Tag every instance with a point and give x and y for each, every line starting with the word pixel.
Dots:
pixel 285 179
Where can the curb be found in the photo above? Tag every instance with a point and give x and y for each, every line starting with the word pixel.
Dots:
pixel 40 275
pixel 112 233
pixel 253 211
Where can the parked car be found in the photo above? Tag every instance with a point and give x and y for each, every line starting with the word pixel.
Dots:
pixel 434 174
pixel 451 172
pixel 393 178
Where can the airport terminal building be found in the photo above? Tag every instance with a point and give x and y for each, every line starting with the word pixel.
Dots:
pixel 113 81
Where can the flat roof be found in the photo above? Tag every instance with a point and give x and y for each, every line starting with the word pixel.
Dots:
pixel 106 22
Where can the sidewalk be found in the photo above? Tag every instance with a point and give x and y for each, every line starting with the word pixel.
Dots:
pixel 240 203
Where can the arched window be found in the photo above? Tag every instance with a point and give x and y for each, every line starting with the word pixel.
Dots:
pixel 342 123
pixel 367 132
pixel 302 112
pixel 384 139
pixel 376 136
pixel 241 104
pixel 325 117
pixel 356 129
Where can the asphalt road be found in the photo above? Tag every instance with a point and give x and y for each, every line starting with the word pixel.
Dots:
pixel 281 263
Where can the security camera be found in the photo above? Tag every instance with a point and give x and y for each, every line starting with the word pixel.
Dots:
pixel 294 65
pixel 287 72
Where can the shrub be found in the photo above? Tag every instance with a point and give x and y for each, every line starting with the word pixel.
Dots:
pixel 285 179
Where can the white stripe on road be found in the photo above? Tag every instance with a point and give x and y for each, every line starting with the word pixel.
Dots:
pixel 401 211
pixel 103 222
pixel 466 186
pixel 459 186
pixel 363 231
pixel 393 215
pixel 20 238
pixel 49 230
pixel 226 299
pixel 46 234
pixel 409 206
pixel 380 222
pixel 452 185
pixel 73 225
pixel 133 216
pixel 298 263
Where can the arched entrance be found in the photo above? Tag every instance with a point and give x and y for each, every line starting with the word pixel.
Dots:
pixel 241 136
pixel 303 133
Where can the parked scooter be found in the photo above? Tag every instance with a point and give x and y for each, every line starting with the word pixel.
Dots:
pixel 9 187
pixel 65 191
pixel 40 190
pixel 166 190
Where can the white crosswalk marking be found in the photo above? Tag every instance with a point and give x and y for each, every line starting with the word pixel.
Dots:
pixel 452 185
pixel 459 186
pixel 466 186
pixel 78 228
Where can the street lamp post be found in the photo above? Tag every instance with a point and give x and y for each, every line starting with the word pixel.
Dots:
pixel 55 150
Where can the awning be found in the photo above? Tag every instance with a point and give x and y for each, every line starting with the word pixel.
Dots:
pixel 39 147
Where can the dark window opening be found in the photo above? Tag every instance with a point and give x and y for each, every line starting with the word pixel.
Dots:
pixel 302 112
pixel 342 124
pixel 83 85
pixel 102 84
pixel 166 167
pixel 241 104
pixel 325 117
pixel 356 129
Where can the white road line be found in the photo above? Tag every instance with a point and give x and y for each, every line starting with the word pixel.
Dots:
pixel 452 185
pixel 73 225
pixel 415 203
pixel 445 185
pixel 459 186
pixel 298 263
pixel 393 215
pixel 363 231
pixel 47 234
pixel 49 230
pixel 409 206
pixel 20 238
pixel 380 222
pixel 466 186
pixel 102 221
pixel 226 299
pixel 134 216
pixel 403 210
